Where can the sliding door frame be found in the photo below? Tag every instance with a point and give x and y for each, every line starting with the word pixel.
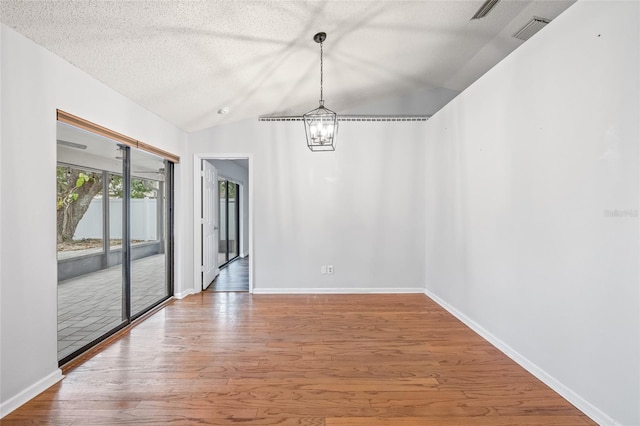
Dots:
pixel 126 233
pixel 236 214
pixel 126 144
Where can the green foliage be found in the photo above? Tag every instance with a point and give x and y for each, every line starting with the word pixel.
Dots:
pixel 143 188
pixel 76 188
pixel 115 186
pixel 67 191
pixel 224 188
pixel 82 178
pixel 140 188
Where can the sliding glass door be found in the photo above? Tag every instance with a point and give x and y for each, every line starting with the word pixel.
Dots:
pixel 148 204
pixel 114 236
pixel 229 221
pixel 90 297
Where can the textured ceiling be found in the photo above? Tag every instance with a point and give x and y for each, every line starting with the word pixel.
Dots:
pixel 184 60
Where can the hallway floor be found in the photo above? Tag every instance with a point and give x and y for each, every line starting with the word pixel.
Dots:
pixel 234 277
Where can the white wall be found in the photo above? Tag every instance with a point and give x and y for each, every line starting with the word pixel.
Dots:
pixel 358 208
pixel 230 170
pixel 35 83
pixel 523 171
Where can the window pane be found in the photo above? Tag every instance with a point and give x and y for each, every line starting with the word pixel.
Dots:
pixel 79 211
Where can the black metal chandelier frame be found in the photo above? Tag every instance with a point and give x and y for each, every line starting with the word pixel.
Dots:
pixel 321 124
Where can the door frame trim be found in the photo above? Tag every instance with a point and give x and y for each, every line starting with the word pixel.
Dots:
pixel 197 204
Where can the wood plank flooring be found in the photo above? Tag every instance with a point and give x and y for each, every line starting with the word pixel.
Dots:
pixel 233 277
pixel 332 360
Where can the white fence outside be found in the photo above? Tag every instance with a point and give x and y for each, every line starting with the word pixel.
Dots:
pixel 144 220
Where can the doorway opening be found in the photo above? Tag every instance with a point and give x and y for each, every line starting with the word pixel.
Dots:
pixel 223 232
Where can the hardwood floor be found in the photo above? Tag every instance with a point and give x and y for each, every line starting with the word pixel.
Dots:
pixel 334 360
pixel 233 277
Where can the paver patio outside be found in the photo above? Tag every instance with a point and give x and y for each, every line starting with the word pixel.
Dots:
pixel 91 305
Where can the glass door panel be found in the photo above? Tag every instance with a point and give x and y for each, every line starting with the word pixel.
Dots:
pixel 90 290
pixel 222 226
pixel 233 204
pixel 147 201
pixel 115 214
pixel 229 223
pixel 114 228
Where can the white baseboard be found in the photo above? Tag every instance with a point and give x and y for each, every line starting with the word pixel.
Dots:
pixel 244 254
pixel 31 392
pixel 185 293
pixel 341 290
pixel 583 405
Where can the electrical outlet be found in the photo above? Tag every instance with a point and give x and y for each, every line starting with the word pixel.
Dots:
pixel 323 270
pixel 330 269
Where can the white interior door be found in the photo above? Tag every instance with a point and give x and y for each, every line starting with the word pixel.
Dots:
pixel 209 224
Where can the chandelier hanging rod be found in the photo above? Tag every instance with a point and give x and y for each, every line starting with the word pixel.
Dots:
pixel 320 38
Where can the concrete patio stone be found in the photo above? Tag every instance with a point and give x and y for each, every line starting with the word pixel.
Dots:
pixel 91 305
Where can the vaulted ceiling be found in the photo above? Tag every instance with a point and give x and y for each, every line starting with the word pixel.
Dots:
pixel 185 60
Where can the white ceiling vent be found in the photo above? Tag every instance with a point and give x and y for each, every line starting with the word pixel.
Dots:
pixel 532 27
pixel 485 9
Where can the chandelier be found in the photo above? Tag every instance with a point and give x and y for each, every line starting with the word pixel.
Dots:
pixel 321 124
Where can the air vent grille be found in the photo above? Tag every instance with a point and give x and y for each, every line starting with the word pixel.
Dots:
pixel 532 27
pixel 485 9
